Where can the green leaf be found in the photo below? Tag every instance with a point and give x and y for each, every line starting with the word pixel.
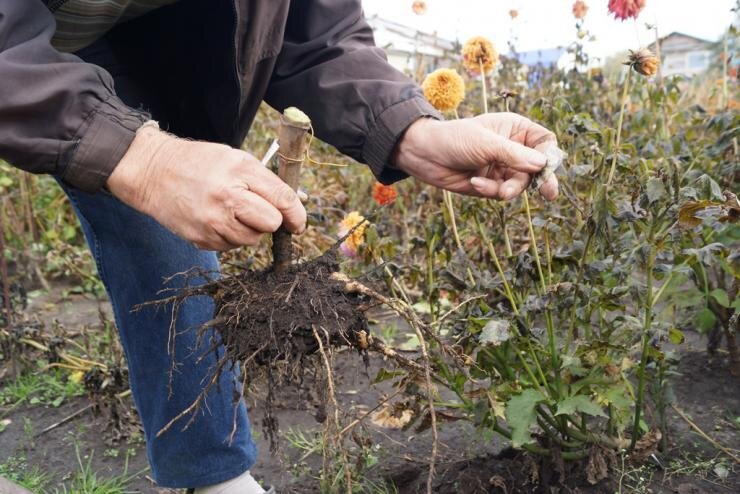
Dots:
pixel 521 416
pixel 384 375
pixel 721 297
pixel 655 190
pixel 676 336
pixel 706 319
pixel 579 404
pixel 495 332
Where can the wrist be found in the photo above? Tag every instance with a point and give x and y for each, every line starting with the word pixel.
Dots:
pixel 132 179
pixel 413 144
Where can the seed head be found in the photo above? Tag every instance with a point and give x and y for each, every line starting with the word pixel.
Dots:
pixel 444 89
pixel 478 53
pixel 625 9
pixel 644 62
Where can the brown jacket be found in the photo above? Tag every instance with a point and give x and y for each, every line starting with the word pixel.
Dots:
pixel 210 63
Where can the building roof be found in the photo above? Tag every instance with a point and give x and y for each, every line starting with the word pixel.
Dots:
pixel 676 35
pixel 392 35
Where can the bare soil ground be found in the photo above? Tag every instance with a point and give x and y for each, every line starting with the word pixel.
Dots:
pixel 470 461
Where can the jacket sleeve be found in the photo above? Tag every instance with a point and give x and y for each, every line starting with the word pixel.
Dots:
pixel 58 115
pixel 330 68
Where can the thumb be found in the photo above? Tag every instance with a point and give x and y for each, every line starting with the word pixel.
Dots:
pixel 514 155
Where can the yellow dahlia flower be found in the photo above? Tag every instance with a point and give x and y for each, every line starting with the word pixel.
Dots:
pixel 444 89
pixel 352 243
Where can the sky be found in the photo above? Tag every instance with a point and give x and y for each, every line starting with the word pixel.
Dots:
pixel 550 23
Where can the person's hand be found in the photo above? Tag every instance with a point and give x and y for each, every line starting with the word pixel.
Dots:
pixel 212 195
pixel 492 155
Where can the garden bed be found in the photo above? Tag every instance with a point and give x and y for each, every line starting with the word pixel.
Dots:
pixel 468 462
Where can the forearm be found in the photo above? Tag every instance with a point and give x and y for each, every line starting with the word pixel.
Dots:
pixel 58 115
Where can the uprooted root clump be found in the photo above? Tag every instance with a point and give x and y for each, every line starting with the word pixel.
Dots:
pixel 270 323
pixel 264 317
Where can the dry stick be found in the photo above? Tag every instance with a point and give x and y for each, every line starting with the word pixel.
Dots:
pixel 294 127
pixel 703 434
pixel 76 414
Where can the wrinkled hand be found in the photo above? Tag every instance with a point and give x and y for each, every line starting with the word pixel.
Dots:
pixel 214 196
pixel 492 155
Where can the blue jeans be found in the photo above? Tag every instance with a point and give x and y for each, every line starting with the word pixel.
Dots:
pixel 134 254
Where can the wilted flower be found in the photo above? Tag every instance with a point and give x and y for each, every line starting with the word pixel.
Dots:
pixel 444 89
pixel 644 62
pixel 513 13
pixel 384 194
pixel 419 7
pixel 353 241
pixel 624 9
pixel 580 9
pixel 478 53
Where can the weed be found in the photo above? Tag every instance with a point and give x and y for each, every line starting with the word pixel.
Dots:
pixel 86 481
pixel 17 470
pixel 43 388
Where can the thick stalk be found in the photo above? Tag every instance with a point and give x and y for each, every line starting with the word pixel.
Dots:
pixel 647 324
pixel 294 128
pixel 620 123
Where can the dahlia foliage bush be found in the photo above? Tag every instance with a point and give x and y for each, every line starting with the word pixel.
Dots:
pixel 556 323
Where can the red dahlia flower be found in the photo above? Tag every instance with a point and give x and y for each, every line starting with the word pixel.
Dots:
pixel 624 9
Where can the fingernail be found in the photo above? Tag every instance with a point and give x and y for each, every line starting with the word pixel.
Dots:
pixel 536 158
pixel 507 192
pixel 477 182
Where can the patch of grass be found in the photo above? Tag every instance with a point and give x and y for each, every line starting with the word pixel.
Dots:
pixel 17 470
pixel 86 480
pixel 50 388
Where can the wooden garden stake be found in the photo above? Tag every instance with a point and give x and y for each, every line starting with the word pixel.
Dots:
pixel 294 128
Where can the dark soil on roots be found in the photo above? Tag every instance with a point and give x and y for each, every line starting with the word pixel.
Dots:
pixel 264 317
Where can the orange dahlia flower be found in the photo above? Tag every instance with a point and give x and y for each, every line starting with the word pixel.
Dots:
pixel 384 194
pixel 580 9
pixel 444 89
pixel 478 53
pixel 624 9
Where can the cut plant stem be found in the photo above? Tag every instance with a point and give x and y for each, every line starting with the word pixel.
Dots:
pixel 294 128
pixel 447 199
